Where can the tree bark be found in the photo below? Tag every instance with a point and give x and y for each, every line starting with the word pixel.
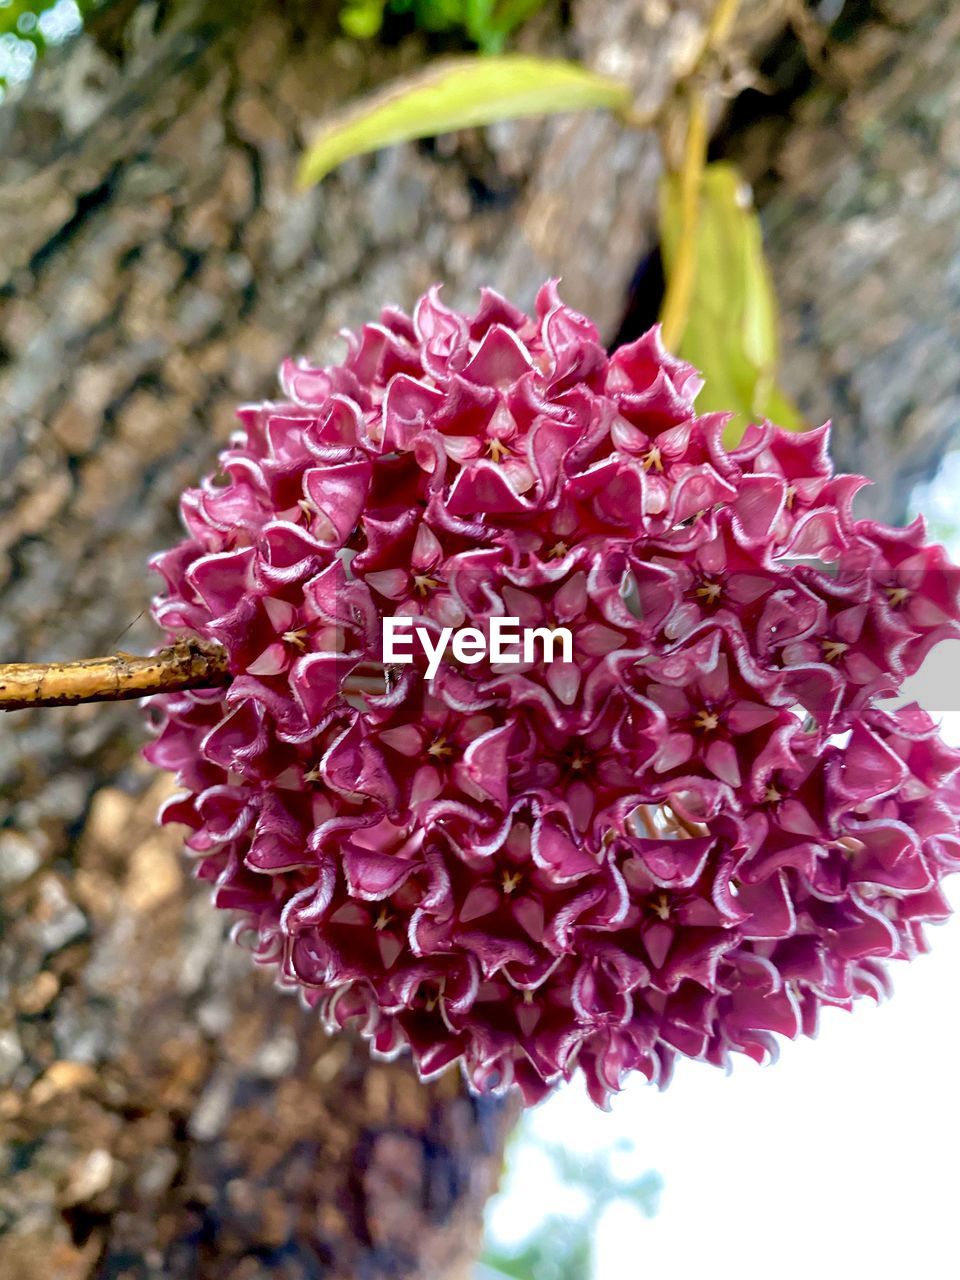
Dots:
pixel 165 1112
pixel 863 176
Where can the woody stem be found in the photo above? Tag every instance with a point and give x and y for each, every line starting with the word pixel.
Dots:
pixel 675 311
pixel 187 664
pixel 676 304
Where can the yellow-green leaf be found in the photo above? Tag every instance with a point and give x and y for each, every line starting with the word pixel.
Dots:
pixel 458 93
pixel 732 330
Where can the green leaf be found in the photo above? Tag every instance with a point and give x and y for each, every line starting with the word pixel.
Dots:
pixel 732 334
pixel 362 19
pixel 458 93
pixel 490 22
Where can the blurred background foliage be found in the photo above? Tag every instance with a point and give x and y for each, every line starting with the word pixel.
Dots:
pixel 559 1244
pixel 485 23
pixel 28 27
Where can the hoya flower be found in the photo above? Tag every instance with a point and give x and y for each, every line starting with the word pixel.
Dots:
pixel 686 836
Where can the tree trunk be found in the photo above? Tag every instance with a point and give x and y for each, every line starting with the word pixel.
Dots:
pixel 863 176
pixel 165 1112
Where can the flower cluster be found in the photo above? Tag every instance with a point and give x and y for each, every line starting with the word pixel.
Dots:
pixel 685 841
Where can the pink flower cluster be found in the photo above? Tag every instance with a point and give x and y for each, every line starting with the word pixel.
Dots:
pixel 687 840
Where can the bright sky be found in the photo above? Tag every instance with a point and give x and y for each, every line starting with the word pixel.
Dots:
pixel 841 1160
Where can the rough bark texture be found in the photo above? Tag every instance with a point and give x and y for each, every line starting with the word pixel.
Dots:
pixel 862 236
pixel 165 1111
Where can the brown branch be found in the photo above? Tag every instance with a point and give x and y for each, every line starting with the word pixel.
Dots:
pixel 188 664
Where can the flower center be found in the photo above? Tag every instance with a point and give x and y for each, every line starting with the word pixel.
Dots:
pixel 558 550
pixel 661 906
pixel 772 795
pixel 497 449
pixel 509 881
pixel 709 591
pixel 706 720
pixel 297 638
pixel 430 995
pixel 382 920
pixel 423 583
pixel 833 649
pixel 653 459
pixel 897 595
pixel 439 747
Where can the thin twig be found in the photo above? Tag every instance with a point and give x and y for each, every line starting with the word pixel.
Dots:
pixel 634 118
pixel 188 664
pixel 676 304
pixel 721 25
